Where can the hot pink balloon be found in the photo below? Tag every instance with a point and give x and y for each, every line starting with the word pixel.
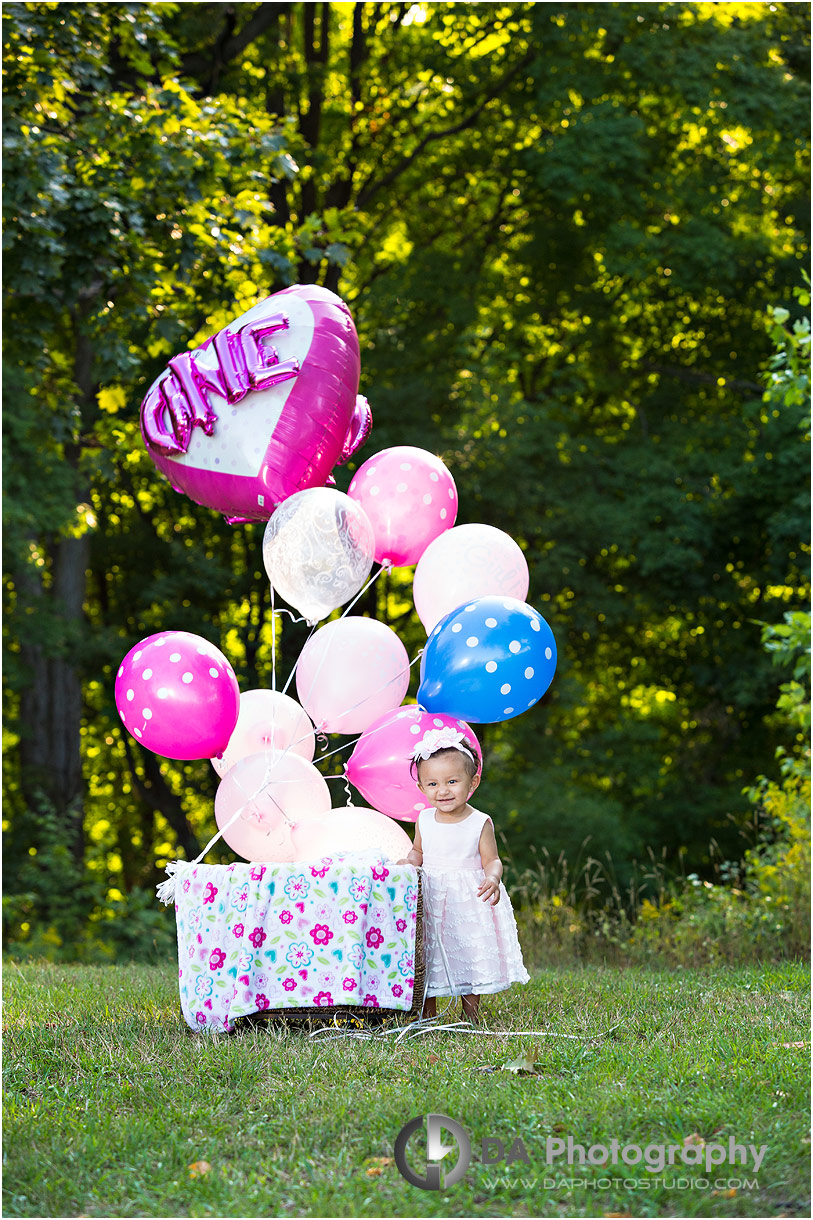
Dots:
pixel 467 562
pixel 380 764
pixel 361 425
pixel 263 409
pixel 268 720
pixel 177 694
pixel 273 793
pixel 353 828
pixel 410 498
pixel 350 672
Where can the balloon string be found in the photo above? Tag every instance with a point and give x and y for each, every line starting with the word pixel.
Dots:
pixel 241 808
pixel 273 666
pixel 273 647
pixel 298 659
pixel 368 732
pixel 293 617
pixel 386 566
pixel 266 781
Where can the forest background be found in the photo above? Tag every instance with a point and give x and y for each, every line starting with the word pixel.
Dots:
pixel 573 240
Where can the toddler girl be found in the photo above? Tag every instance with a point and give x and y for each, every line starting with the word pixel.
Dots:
pixel 470 936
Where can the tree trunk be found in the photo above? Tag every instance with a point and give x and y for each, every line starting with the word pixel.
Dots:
pixel 51 701
pixel 156 793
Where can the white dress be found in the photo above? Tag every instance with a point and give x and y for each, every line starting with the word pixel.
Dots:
pixel 470 946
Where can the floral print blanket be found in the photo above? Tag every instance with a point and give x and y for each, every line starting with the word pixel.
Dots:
pixel 336 931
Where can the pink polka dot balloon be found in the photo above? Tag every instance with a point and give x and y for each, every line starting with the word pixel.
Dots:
pixel 177 695
pixel 410 498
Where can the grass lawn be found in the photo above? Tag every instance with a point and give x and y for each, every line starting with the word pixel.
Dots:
pixel 109 1099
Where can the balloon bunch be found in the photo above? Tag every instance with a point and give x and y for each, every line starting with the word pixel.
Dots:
pixel 489 655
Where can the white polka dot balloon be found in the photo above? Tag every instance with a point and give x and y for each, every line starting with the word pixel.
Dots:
pixel 178 696
pixel 410 498
pixel 498 668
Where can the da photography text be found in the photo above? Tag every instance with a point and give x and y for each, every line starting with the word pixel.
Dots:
pixel 445 1148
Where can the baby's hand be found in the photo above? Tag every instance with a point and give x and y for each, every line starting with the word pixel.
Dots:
pixel 489 891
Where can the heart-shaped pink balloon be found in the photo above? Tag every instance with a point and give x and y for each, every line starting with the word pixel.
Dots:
pixel 265 408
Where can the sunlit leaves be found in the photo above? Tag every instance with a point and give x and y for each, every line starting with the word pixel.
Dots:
pixel 558 227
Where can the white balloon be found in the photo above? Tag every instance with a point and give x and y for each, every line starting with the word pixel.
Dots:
pixel 350 672
pixel 464 563
pixel 268 720
pixel 353 828
pixel 318 550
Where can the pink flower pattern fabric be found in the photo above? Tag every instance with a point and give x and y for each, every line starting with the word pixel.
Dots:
pixel 340 930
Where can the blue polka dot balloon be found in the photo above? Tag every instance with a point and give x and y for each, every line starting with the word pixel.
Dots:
pixel 489 660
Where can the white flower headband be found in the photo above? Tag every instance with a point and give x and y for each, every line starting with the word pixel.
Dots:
pixel 442 739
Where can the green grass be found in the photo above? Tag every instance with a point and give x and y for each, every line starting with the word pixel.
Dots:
pixel 109 1098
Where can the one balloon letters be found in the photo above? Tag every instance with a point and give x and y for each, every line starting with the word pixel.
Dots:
pixel 265 408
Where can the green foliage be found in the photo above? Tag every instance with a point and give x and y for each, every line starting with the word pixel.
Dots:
pixel 558 248
pixel 756 909
pixel 51 897
pixel 61 911
pixel 778 868
pixel 704 922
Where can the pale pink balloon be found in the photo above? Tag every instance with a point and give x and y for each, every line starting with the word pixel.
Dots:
pixel 350 672
pixel 273 792
pixel 268 720
pixel 410 498
pixel 177 694
pixel 467 562
pixel 380 763
pixel 352 828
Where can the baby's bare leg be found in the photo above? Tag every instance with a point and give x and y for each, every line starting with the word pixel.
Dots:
pixel 471 1007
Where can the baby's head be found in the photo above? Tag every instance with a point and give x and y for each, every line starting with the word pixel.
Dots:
pixel 445 742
